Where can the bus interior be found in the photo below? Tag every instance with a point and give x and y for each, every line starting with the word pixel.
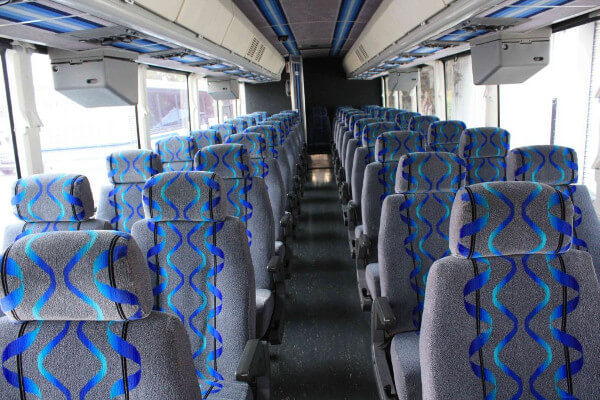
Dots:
pixel 215 199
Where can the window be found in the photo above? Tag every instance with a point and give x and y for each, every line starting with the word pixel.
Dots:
pixel 8 169
pixel 227 110
pixel 426 92
pixel 408 100
pixel 562 89
pixel 207 106
pixel 476 106
pixel 75 139
pixel 168 103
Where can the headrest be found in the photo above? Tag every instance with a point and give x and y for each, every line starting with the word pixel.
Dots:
pixel 50 197
pixel 239 123
pixel 360 124
pixel 262 115
pixel 403 119
pixel 484 143
pixel 207 137
pixel 76 276
pixel 391 146
pixel 421 123
pixel 356 117
pixel 445 132
pixel 176 149
pixel 269 132
pixel 390 115
pixel 279 127
pixel 225 129
pixel 254 143
pixel 133 166
pixel 372 131
pixel 553 165
pixel 429 172
pixel 229 161
pixel 507 218
pixel 184 196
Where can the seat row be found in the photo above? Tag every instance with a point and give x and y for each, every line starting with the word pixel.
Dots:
pixel 197 243
pixel 419 237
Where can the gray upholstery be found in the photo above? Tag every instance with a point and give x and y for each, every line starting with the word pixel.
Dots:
pixel 404 355
pixel 233 391
pixel 391 146
pixel 373 279
pixel 403 119
pixel 484 150
pixel 48 202
pixel 421 123
pixel 264 166
pixel 225 130
pixel 414 230
pixel 520 311
pixel 246 198
pixel 201 268
pixel 176 153
pixel 128 171
pixel 93 335
pixel 265 304
pixel 557 166
pixel 207 137
pixel 102 270
pixel 445 136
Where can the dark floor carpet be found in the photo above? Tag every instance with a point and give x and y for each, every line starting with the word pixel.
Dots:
pixel 325 354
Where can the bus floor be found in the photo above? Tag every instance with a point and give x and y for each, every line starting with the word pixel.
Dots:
pixel 325 352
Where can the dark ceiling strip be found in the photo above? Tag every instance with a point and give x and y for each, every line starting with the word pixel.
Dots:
pixel 273 12
pixel 349 11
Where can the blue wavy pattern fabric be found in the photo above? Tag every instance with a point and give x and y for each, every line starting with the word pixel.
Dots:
pixel 429 172
pixel 256 146
pixel 445 135
pixel 372 131
pixel 485 150
pixel 225 130
pixel 553 165
pixel 176 153
pixel 360 125
pixel 403 119
pixel 391 146
pixel 207 137
pixel 421 123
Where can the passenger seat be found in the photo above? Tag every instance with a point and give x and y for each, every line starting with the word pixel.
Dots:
pixel 201 271
pixel 485 150
pixel 513 312
pixel 403 120
pixel 128 171
pixel 91 334
pixel 445 136
pixel 207 137
pixel 176 153
pixel 52 202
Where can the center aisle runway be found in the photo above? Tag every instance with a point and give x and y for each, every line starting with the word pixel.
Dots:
pixel 325 353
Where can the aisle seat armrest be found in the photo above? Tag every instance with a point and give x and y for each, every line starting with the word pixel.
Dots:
pixel 386 320
pixel 254 363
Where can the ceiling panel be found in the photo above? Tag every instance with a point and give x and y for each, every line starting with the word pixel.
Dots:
pixel 312 22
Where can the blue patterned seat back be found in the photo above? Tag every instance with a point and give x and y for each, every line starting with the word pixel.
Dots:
pixel 403 119
pixel 239 123
pixel 85 326
pixel 270 134
pixel 390 115
pixel 421 123
pixel 225 130
pixel 52 202
pixel 360 125
pixel 262 115
pixel 207 137
pixel 279 127
pixel 245 197
pixel 414 230
pixel 176 153
pixel 485 150
pixel 201 269
pixel 354 118
pixel 557 166
pixel 380 176
pixel 445 136
pixel 372 131
pixel 510 313
pixel 264 166
pixel 121 203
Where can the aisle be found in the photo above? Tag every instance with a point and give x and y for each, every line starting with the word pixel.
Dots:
pixel 325 354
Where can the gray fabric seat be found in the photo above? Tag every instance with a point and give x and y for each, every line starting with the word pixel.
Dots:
pixel 403 119
pixel 80 323
pixel 378 183
pixel 558 166
pixel 484 151
pixel 391 114
pixel 414 233
pixel 373 280
pixel 206 137
pixel 50 202
pixel 421 124
pixel 247 198
pixel 176 153
pixel 512 312
pixel 445 136
pixel 225 130
pixel 351 145
pixel 201 269
pixel 128 171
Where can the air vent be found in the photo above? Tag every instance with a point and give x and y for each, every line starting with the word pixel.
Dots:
pixel 363 52
pixel 359 55
pixel 260 52
pixel 252 49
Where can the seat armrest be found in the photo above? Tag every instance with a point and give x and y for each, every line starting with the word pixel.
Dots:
pixel 276 268
pixel 385 318
pixel 255 362
pixel 353 211
pixel 363 245
pixel 287 223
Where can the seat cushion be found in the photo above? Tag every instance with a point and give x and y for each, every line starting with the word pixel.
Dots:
pixel 358 231
pixel 404 353
pixel 232 391
pixel 372 276
pixel 265 302
pixel 280 249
